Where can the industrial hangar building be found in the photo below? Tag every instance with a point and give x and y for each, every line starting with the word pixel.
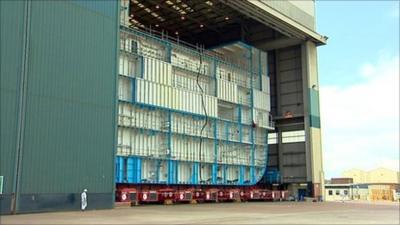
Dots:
pixel 170 99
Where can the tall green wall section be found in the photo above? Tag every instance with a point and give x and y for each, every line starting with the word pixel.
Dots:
pixel 58 103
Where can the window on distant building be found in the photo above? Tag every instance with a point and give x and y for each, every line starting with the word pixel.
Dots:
pixel 337 192
pixel 346 192
pixel 330 192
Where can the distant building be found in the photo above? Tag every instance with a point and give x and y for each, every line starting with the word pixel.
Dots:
pixel 367 192
pixel 379 175
pixel 377 184
pixel 341 181
pixel 338 192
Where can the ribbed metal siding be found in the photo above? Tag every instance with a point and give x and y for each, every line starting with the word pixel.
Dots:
pixel 11 32
pixel 69 129
pixel 292 11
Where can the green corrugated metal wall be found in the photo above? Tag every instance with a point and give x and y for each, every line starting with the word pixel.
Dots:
pixel 69 127
pixel 11 33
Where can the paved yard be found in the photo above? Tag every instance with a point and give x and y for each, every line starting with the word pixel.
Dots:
pixel 225 213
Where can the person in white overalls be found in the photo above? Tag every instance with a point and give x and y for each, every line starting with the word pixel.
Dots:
pixel 84 200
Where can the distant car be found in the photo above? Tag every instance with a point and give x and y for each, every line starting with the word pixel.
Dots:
pixel 292 198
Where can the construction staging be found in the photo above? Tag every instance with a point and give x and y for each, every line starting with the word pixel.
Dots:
pixel 158 101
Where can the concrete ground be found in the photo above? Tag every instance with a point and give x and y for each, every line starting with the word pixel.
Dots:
pixel 225 213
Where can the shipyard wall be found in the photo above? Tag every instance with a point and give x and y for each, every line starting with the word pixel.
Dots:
pixel 58 103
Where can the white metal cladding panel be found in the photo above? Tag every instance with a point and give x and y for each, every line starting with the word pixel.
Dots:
pixel 124 142
pixel 265 84
pixel 170 98
pixel 259 61
pixel 244 96
pixel 246 115
pixel 124 89
pixel 188 149
pixel 124 115
pixel 260 156
pixel 127 43
pixel 229 153
pixel 246 134
pixel 244 155
pixel 157 94
pixel 173 101
pixel 157 71
pixel 261 118
pixel 211 105
pixel 264 63
pixel 122 148
pixel 189 62
pixel 188 125
pixel 260 136
pixel 149 170
pixel 255 59
pixel 233 132
pixel 184 172
pixel 219 172
pixel 227 91
pixel 129 66
pixel 163 176
pixel 124 16
pixel 176 123
pixel 195 103
pixel 221 134
pixel 151 93
pixel 232 173
pixel 233 74
pixel 181 98
pixel 246 176
pixel 206 173
pixel 132 116
pixel 189 100
pixel 261 100
pixel 150 49
pixel 137 143
pixel 259 172
pixel 188 81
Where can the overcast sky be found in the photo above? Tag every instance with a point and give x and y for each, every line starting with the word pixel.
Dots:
pixel 359 84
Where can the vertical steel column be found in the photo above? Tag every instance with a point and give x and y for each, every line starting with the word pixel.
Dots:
pixel 138 170
pixel 129 169
pixel 266 153
pixel 142 66
pixel 224 168
pixel 120 169
pixel 215 62
pixel 195 172
pixel 169 50
pixel 259 69
pixel 215 128
pixel 252 175
pixel 158 164
pixel 241 174
pixel 226 123
pixel 215 164
pixel 133 88
pixel 21 108
pixel 266 132
pixel 240 123
pixel 171 169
